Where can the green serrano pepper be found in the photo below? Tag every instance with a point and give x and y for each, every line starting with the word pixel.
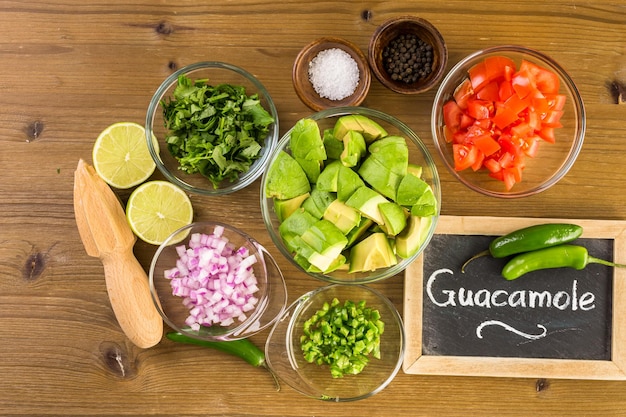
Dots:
pixel 530 238
pixel 561 256
pixel 242 348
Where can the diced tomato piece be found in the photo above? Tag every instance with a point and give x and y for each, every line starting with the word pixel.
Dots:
pixel 478 76
pixel 490 92
pixel 486 144
pixel 492 165
pixel 523 83
pixel 452 115
pixel 539 102
pixel 508 177
pixel 547 134
pixel 497 67
pixel 478 163
pixel 462 93
pixel 522 129
pixel 479 109
pixel 546 81
pixel 464 156
pixel 556 101
pixel 531 146
pixel 552 118
pixel 505 91
pixel 508 112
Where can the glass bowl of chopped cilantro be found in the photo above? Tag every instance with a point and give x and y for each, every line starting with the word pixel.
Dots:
pixel 337 343
pixel 351 195
pixel 216 125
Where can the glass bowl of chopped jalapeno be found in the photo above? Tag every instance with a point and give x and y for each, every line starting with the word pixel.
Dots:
pixel 351 195
pixel 337 343
pixel 216 125
pixel 508 121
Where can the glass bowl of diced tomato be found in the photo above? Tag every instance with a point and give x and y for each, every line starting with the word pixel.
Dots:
pixel 508 121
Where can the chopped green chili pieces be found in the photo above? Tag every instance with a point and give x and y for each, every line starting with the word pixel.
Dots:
pixel 343 337
pixel 217 131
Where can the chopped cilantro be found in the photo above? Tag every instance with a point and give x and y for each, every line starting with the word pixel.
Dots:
pixel 217 131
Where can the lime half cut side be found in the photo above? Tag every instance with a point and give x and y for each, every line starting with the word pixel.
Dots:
pixel 156 209
pixel 121 155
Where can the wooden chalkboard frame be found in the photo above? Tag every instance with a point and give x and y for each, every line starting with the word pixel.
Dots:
pixel 417 363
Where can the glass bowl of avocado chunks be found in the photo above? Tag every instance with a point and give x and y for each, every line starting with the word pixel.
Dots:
pixel 351 195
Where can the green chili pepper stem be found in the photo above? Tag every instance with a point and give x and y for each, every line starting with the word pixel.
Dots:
pixel 561 256
pixel 486 252
pixel 242 348
pixel 530 238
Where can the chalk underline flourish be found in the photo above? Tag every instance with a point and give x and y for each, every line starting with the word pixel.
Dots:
pixel 511 329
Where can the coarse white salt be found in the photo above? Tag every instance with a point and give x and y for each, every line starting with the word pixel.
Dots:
pixel 334 74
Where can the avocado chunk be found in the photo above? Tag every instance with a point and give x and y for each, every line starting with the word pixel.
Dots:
pixel 355 234
pixel 366 201
pixel 313 261
pixel 327 180
pixel 347 183
pixel 306 141
pixel 317 202
pixel 379 177
pixel 426 204
pixel 410 190
pixel 394 216
pixel 344 217
pixel 392 152
pixel 326 239
pixel 370 130
pixel 353 149
pixel 284 208
pixel 295 225
pixel 411 239
pixel 286 178
pixel 372 253
pixel 414 169
pixel 332 145
pixel 311 168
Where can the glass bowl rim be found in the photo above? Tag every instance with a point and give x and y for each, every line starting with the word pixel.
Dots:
pixel 258 166
pixel 578 105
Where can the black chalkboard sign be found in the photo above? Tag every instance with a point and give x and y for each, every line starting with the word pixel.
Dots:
pixel 479 323
pixel 545 314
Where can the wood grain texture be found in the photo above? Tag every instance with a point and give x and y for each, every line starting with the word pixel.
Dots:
pixel 71 68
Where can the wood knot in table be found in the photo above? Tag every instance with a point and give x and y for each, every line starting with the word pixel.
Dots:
pixel 33 130
pixel 34 266
pixel 618 92
pixel 164 28
pixel 542 385
pixel 117 360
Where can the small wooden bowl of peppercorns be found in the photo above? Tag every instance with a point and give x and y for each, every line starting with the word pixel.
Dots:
pixel 408 55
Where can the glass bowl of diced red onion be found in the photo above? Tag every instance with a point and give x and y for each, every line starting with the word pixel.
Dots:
pixel 212 281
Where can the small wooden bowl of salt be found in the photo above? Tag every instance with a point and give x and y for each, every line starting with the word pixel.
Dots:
pixel 331 72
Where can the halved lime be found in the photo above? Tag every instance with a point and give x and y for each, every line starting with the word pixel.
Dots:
pixel 121 156
pixel 156 209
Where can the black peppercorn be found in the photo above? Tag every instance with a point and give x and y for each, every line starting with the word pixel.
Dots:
pixel 407 58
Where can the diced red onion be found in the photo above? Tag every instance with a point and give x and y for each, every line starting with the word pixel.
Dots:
pixel 215 280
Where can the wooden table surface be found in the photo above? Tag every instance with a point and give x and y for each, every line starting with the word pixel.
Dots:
pixel 71 68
